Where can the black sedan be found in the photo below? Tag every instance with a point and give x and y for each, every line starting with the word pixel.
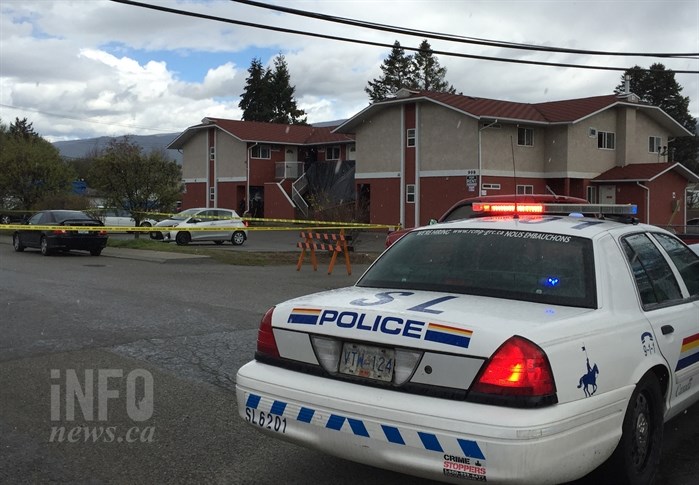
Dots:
pixel 87 236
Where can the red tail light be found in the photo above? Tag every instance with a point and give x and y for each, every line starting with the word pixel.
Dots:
pixel 266 344
pixel 518 369
pixel 246 223
pixel 58 232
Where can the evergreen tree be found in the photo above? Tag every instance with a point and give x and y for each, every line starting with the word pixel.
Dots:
pixel 428 74
pixel 285 109
pixel 658 87
pixel 256 101
pixel 420 72
pixel 269 95
pixel 397 73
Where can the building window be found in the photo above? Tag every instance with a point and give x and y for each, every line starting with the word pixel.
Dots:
pixel 606 140
pixel 332 153
pixel 654 144
pixel 212 153
pixel 260 151
pixel 525 137
pixel 410 137
pixel 490 186
pixel 212 193
pixel 592 194
pixel 410 193
pixel 525 189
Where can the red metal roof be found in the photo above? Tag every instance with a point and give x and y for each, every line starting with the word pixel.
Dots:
pixel 643 172
pixel 568 110
pixel 255 131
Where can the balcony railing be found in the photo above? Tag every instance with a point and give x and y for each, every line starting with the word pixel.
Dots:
pixel 288 170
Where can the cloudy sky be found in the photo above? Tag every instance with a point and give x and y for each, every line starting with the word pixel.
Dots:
pixel 85 68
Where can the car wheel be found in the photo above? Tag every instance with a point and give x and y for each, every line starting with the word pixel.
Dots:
pixel 238 238
pixel 183 238
pixel 146 224
pixel 17 244
pixel 5 219
pixel 218 243
pixel 636 458
pixel 95 252
pixel 45 246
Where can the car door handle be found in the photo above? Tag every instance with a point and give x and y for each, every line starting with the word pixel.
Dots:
pixel 667 329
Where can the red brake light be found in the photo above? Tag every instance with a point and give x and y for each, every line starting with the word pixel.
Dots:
pixel 58 232
pixel 266 344
pixel 519 368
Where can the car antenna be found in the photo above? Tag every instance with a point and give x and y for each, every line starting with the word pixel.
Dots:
pixel 514 174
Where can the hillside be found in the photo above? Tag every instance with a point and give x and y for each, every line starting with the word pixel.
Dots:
pixel 82 148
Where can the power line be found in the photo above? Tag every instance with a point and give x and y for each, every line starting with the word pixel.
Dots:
pixel 375 44
pixel 455 38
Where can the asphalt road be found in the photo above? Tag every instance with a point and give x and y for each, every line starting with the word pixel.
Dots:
pixel 162 340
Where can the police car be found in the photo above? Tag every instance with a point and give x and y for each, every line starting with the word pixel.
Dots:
pixel 527 347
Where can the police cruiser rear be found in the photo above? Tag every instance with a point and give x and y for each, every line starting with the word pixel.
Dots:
pixel 521 347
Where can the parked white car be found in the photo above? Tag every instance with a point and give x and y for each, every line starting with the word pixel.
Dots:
pixel 204 224
pixel 121 218
pixel 527 348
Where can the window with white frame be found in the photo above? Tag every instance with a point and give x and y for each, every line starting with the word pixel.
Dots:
pixel 212 193
pixel 606 140
pixel 410 193
pixel 592 194
pixel 212 153
pixel 490 186
pixel 261 151
pixel 525 137
pixel 654 144
pixel 410 137
pixel 332 153
pixel 525 189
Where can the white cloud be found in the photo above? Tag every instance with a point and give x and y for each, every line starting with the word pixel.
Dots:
pixel 79 69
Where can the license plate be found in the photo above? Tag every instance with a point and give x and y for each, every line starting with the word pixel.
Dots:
pixel 367 361
pixel 83 232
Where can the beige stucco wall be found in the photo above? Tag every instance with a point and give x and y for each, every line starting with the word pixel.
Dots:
pixel 379 142
pixel 556 150
pixel 583 154
pixel 447 139
pixel 501 154
pixel 645 128
pixel 195 156
pixel 231 155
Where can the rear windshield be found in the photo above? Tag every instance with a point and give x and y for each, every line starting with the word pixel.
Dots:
pixel 519 265
pixel 60 216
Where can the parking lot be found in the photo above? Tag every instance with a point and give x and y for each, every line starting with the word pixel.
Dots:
pixel 183 326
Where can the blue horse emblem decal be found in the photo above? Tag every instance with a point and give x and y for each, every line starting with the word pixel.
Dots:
pixel 588 382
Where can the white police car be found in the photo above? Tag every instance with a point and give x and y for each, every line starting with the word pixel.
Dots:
pixel 512 349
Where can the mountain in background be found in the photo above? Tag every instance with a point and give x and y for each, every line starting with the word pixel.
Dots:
pixel 83 148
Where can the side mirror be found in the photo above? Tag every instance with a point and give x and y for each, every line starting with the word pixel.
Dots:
pixel 194 220
pixel 432 221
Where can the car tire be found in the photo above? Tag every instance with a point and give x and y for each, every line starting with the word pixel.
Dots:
pixel 183 238
pixel 44 246
pixel 5 220
pixel 146 224
pixel 238 238
pixel 636 458
pixel 219 242
pixel 17 244
pixel 95 252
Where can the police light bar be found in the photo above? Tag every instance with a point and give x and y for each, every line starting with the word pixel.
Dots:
pixel 534 208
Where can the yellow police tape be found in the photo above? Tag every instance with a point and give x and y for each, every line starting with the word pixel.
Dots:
pixel 25 227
